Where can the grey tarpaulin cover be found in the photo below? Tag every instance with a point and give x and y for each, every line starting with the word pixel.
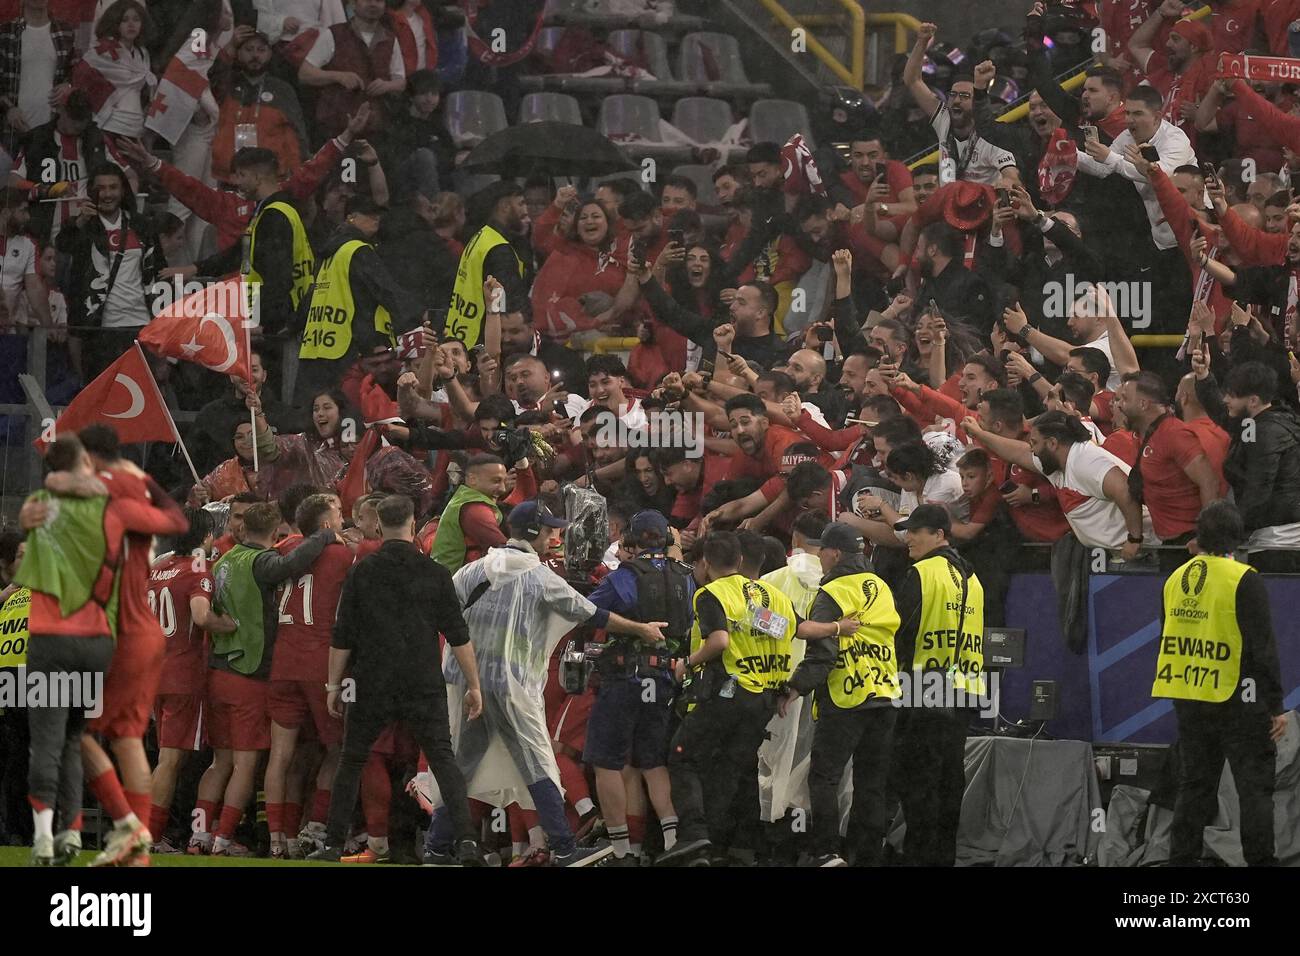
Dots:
pixel 1027 803
pixel 1127 813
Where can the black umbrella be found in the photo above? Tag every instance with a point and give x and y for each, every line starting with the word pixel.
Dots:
pixel 547 149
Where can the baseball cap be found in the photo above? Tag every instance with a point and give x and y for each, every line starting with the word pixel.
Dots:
pixel 648 520
pixel 531 516
pixel 363 206
pixel 934 517
pixel 840 537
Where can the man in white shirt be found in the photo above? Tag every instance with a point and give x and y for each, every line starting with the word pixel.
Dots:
pixel 1092 322
pixel 285 20
pixel 606 379
pixel 115 262
pixel 1146 126
pixel 25 299
pixel 963 153
pixel 354 62
pixel 36 56
pixel 1091 483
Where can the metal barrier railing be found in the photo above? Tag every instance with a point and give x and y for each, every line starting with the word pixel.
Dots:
pixel 35 382
pixel 1020 108
pixel 855 73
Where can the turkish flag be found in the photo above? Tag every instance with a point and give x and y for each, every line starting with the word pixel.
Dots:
pixel 208 328
pixel 125 397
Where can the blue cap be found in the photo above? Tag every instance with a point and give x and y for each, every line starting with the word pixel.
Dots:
pixel 531 516
pixel 648 520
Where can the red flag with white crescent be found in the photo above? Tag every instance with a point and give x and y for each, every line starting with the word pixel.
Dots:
pixel 208 328
pixel 125 397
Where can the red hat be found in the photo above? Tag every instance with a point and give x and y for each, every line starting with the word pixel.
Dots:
pixel 1197 34
pixel 967 206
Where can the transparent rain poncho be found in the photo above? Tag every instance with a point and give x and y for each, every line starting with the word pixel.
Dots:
pixel 784 757
pixel 515 626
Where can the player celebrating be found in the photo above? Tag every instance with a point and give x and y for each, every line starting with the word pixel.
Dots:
pixel 300 662
pixel 180 592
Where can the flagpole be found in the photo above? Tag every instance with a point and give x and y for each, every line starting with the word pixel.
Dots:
pixel 175 431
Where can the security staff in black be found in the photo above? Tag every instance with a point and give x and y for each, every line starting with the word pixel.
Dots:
pixel 852 671
pixel 354 305
pixel 1218 663
pixel 274 254
pixel 940 644
pixel 628 724
pixel 739 663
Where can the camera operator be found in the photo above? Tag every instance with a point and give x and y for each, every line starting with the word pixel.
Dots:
pixel 628 726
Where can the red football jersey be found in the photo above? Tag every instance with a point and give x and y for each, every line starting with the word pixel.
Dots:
pixel 172 582
pixel 137 623
pixel 307 610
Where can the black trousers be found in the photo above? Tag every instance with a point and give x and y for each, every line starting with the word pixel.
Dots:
pixel 426 718
pixel 930 763
pixel 15 813
pixel 1207 735
pixel 54 768
pixel 1275 562
pixel 715 753
pixel 867 736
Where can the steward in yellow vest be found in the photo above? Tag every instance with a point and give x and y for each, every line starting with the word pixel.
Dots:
pixel 940 644
pixel 489 252
pixel 1218 662
pixel 851 668
pixel 277 258
pixel 353 305
pixel 741 646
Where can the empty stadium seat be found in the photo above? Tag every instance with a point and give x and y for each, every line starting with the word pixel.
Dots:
pixel 777 120
pixel 643 45
pixel 473 115
pixel 548 40
pixel 711 58
pixel 702 176
pixel 702 118
pixel 623 115
pixel 555 107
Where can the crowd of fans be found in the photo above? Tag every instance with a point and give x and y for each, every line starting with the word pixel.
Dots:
pixel 854 339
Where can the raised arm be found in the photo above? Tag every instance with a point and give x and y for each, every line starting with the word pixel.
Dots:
pixel 1054 350
pixel 1008 449
pixel 912 75
pixel 1142 44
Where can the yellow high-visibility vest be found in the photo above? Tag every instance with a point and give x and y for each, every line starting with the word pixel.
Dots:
pixel 760 627
pixel 1200 648
pixel 304 261
pixel 13 629
pixel 332 312
pixel 465 316
pixel 866 665
pixel 938 646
